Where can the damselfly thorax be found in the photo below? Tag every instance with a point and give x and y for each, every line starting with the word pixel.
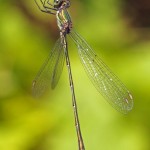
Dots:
pixel 63 19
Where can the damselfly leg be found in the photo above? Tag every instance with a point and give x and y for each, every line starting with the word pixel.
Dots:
pixel 44 8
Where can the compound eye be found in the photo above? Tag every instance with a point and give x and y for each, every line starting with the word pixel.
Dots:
pixel 57 3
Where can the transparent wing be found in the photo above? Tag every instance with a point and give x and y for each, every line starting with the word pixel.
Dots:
pixel 58 68
pixel 50 71
pixel 112 89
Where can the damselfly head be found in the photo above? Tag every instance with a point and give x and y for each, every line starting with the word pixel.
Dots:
pixel 63 3
pixel 57 3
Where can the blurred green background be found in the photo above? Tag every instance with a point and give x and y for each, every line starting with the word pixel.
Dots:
pixel 119 31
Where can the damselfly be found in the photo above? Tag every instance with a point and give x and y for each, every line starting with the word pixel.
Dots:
pixel 112 89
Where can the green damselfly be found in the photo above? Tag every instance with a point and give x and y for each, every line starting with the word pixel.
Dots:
pixel 112 89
